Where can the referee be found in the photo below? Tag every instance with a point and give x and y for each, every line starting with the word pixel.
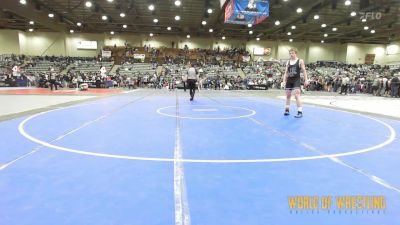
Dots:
pixel 191 80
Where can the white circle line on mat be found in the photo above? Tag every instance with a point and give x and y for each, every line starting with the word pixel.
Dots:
pixel 21 129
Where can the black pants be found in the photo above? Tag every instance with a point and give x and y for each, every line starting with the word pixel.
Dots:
pixel 53 83
pixel 344 89
pixel 184 85
pixel 192 87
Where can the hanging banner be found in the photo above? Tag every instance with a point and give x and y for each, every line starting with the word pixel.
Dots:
pixel 246 58
pixel 246 11
pixel 106 54
pixel 139 56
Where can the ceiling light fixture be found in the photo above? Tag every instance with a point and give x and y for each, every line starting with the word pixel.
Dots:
pixel 169 28
pixel 23 2
pixel 290 40
pixel 322 41
pixel 88 4
pixel 366 28
pixel 178 2
pixel 112 33
pixel 209 11
pixel 323 25
pixel 71 31
pixel 122 15
pixel 249 25
pixel 155 20
pixel 210 30
pixel 258 39
pixel 372 31
pixel 30 30
pixel 188 36
pixel 353 14
pixel 347 2
pixel 177 18
pixel 334 29
pixel 31 22
pixel 203 22
pixel 316 17
pixel 293 27
pixel 223 37
pixel 250 32
pixel 79 24
pixel 151 7
pixel 124 26
pixel 325 35
pixel 299 10
pixel 151 34
pixel 277 23
pixel 364 20
pixel 289 33
pixel 104 17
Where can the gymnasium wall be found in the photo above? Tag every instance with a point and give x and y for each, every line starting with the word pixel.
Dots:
pixel 39 43
pixel 9 42
pixel 64 44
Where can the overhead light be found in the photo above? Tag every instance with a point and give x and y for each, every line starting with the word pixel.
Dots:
pixel 122 15
pixel 364 20
pixel 366 28
pixel 258 39
pixel 23 2
pixel 353 14
pixel 203 22
pixel 209 11
pixel 334 29
pixel 124 26
pixel 250 32
pixel 30 30
pixel 155 20
pixel 299 10
pixel 223 37
pixel 79 24
pixel 188 36
pixel 31 22
pixel 277 23
pixel 372 31
pixel 51 15
pixel 293 27
pixel 325 35
pixel 177 17
pixel 110 0
pixel 88 4
pixel 347 2
pixel 322 41
pixel 249 25
pixel 178 2
pixel 151 34
pixel 289 33
pixel 112 33
pixel 151 7
pixel 210 30
pixel 316 17
pixel 71 31
pixel 104 17
pixel 323 25
pixel 169 28
pixel 290 40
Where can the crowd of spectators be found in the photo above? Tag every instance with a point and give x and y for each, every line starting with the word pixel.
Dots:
pixel 215 73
